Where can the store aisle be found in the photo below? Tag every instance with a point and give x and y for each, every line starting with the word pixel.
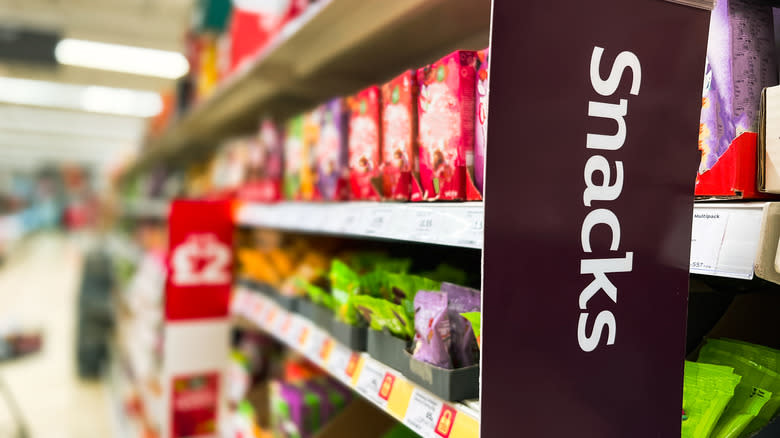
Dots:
pixel 39 287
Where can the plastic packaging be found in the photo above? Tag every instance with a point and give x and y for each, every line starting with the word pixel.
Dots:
pixel 460 299
pixel 432 327
pixel 707 390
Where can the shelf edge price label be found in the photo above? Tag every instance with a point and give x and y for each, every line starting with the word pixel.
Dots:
pixel 423 413
pixel 375 382
pixel 312 349
pixel 378 221
pixel 424 226
pixel 338 362
pixel 471 233
pixel 255 311
pixel 709 228
pixel 326 349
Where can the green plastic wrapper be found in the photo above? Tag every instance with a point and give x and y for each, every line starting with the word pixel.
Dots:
pixel 317 294
pixel 382 314
pixel 707 390
pixel 345 285
pixel 741 412
pixel 753 375
pixel 764 356
pixel 475 318
pixel 386 300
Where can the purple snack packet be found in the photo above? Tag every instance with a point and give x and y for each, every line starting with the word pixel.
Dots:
pixel 432 329
pixel 464 347
pixel 332 153
pixel 740 64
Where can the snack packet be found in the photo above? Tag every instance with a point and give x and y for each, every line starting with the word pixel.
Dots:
pixel 293 157
pixel 753 375
pixel 475 318
pixel 332 154
pixel 399 131
pixel 364 144
pixel 345 284
pixel 317 294
pixel 446 125
pixel 432 329
pixel 707 390
pixel 382 314
pixel 460 299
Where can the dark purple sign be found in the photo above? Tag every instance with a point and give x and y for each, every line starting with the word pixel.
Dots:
pixel 594 113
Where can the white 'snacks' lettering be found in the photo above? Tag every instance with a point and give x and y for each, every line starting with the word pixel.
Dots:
pixel 609 189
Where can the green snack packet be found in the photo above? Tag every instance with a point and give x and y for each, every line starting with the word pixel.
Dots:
pixel 317 294
pixel 707 390
pixel 475 318
pixel 753 375
pixel 764 356
pixel 381 314
pixel 741 412
pixel 345 284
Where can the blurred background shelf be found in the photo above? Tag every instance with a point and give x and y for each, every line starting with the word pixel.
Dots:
pixel 335 48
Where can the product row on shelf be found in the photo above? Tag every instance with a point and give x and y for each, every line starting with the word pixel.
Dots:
pixel 419 137
pixel 387 388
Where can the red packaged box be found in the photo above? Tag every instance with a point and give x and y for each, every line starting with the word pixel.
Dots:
pixel 263 175
pixel 399 133
pixel 365 144
pixel 446 127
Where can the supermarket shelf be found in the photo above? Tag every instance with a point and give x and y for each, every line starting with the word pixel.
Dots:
pixel 736 240
pixel 335 48
pixel 415 407
pixel 456 224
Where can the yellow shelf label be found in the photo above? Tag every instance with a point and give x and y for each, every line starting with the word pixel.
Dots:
pixel 464 427
pixel 399 398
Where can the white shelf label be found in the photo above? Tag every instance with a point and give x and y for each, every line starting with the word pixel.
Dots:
pixel 425 226
pixel 313 347
pixel 725 242
pixel 709 227
pixel 423 413
pixel 378 221
pixel 375 382
pixel 339 361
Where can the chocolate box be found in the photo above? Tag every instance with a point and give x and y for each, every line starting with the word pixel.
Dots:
pixel 481 119
pixel 399 137
pixel 264 165
pixel 293 157
pixel 365 144
pixel 332 153
pixel 446 125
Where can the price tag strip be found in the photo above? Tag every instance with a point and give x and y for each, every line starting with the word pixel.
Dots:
pixel 457 225
pixel 422 412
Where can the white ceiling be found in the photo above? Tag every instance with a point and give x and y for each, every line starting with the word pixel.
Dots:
pixel 28 135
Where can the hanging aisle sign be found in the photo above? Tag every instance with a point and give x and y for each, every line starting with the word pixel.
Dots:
pixel 589 196
pixel 197 328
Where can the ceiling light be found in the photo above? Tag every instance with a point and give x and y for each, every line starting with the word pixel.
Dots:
pixel 91 98
pixel 125 59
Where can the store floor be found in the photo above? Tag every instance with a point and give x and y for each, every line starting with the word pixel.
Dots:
pixel 39 287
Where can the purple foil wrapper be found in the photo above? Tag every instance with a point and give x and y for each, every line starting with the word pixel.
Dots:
pixel 332 153
pixel 740 63
pixel 464 347
pixel 432 327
